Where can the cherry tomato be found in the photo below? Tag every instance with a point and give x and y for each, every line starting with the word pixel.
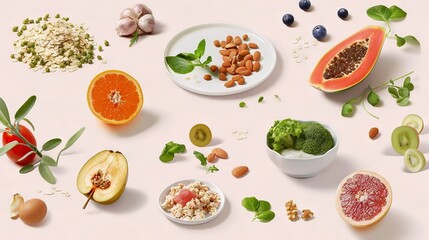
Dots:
pixel 184 196
pixel 20 150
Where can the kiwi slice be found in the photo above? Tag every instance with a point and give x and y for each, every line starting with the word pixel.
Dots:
pixel 415 121
pixel 414 160
pixel 200 135
pixel 404 138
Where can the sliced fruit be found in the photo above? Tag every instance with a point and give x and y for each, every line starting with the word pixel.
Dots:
pixel 415 121
pixel 404 138
pixel 363 198
pixel 414 160
pixel 350 61
pixel 200 135
pixel 103 177
pixel 184 196
pixel 115 97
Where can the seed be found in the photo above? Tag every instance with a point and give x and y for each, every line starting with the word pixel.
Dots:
pixel 230 45
pixel 222 44
pixel 15 29
pixel 222 69
pixel 100 48
pixel 228 39
pixel 245 37
pixel 257 56
pixel 222 76
pixel 207 77
pixel 256 66
pixel 243 52
pixel 237 40
pixel 249 65
pixel 224 52
pixel 106 43
pixel 99 57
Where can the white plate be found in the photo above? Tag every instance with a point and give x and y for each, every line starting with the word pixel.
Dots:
pixel 187 41
pixel 212 187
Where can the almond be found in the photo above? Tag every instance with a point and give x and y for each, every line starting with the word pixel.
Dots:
pixel 213 68
pixel 228 39
pixel 216 43
pixel 240 171
pixel 224 52
pixel 249 65
pixel 222 76
pixel 256 66
pixel 230 45
pixel 207 77
pixel 211 157
pixel 245 37
pixel 373 132
pixel 241 81
pixel 220 153
pixel 257 56
pixel 253 45
pixel 229 84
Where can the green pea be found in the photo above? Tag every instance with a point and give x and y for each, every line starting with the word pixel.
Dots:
pixel 100 48
pixel 24 27
pixel 99 57
pixel 15 29
pixel 12 56
pixel 106 43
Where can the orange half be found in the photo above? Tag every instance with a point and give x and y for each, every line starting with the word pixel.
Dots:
pixel 115 97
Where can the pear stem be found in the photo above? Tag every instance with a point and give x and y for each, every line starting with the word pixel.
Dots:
pixel 89 197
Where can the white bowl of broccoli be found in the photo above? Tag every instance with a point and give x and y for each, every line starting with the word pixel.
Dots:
pixel 301 149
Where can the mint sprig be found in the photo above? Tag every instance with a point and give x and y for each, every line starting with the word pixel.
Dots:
pixel 185 62
pixel 44 161
pixel 389 14
pixel 399 92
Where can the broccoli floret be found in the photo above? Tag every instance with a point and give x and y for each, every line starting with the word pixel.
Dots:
pixel 318 140
pixel 283 134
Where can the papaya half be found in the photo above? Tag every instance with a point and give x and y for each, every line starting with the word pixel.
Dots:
pixel 350 61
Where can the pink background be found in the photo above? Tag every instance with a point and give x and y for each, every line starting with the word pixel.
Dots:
pixel 169 112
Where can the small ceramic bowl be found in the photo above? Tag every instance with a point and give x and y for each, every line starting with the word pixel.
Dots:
pixel 208 217
pixel 307 166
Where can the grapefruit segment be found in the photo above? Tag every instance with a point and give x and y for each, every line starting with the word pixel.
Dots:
pixel 363 198
pixel 115 97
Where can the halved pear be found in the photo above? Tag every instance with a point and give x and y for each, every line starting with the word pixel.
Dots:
pixel 103 177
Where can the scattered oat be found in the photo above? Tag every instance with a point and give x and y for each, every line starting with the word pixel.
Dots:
pixel 240 135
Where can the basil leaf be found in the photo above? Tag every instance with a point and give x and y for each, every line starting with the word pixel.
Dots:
pixel 403 101
pixel 397 13
pixel 201 157
pixel 179 65
pixel 48 161
pixel 347 110
pixel 266 216
pixel 187 56
pixel 51 144
pixel 199 52
pixel 27 168
pixel 379 13
pixel 209 60
pixel 263 206
pixel 393 91
pixel 373 98
pixel 46 173
pixel 169 150
pixel 212 168
pixel 400 41
pixel 8 147
pixel 4 113
pixel 25 108
pixel 411 40
pixel 250 203
pixel 73 139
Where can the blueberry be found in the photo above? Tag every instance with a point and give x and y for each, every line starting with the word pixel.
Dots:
pixel 343 13
pixel 304 4
pixel 288 19
pixel 319 32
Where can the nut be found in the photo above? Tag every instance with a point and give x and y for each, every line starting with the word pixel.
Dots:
pixel 306 214
pixel 229 84
pixel 245 37
pixel 222 76
pixel 220 153
pixel 211 157
pixel 257 56
pixel 240 171
pixel 253 45
pixel 213 68
pixel 216 43
pixel 256 66
pixel 373 133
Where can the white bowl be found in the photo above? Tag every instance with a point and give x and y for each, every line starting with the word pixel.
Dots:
pixel 305 167
pixel 170 216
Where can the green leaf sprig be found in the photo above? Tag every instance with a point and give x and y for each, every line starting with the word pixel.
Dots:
pixel 399 92
pixel 388 14
pixel 184 63
pixel 44 161
pixel 170 149
pixel 261 208
pixel 203 161
pixel 134 38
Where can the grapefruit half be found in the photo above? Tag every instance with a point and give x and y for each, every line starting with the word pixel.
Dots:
pixel 363 198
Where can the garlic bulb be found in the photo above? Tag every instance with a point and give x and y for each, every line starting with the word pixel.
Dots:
pixel 135 21
pixel 15 205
